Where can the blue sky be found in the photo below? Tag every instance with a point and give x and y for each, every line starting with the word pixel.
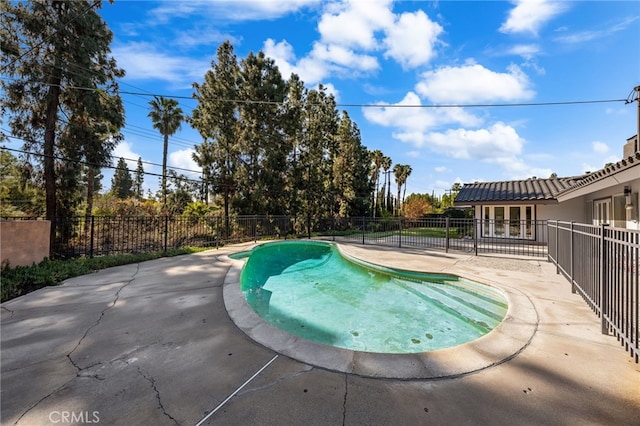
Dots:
pixel 407 53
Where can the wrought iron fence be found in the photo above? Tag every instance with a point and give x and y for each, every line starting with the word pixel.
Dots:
pixel 104 235
pixel 603 266
pixel 465 235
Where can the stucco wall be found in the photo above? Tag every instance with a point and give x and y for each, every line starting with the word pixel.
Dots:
pixel 24 242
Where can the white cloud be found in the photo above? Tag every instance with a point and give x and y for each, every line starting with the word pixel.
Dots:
pixel 442 169
pixel 351 34
pixel 590 35
pixel 344 57
pixel 474 83
pixel 245 10
pixel 527 51
pixel 353 24
pixel 530 15
pixel 143 62
pixel 600 147
pixel 497 143
pixel 410 117
pixel 413 154
pixel 411 39
pixel 125 150
pixel 184 159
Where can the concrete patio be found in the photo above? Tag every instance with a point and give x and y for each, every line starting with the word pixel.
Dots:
pixel 153 344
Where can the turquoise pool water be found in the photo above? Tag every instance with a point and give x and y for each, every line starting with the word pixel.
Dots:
pixel 311 290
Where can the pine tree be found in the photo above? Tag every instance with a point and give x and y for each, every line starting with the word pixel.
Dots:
pixel 121 183
pixel 49 49
pixel 216 120
pixel 139 180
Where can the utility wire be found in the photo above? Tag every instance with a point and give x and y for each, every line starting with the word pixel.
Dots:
pixel 126 159
pixel 359 105
pixel 86 163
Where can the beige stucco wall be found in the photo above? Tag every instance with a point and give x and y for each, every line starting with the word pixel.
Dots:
pixel 24 242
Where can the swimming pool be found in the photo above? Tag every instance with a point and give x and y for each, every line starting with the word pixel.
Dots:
pixel 312 290
pixel 503 343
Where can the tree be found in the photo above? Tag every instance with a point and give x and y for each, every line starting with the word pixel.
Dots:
pixel 416 206
pixel 20 195
pixel 121 183
pixel 376 159
pixel 167 118
pixel 263 147
pixel 386 165
pixel 49 50
pixel 401 173
pixel 216 120
pixel 138 180
pixel 351 170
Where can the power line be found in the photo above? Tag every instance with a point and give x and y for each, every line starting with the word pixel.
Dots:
pixel 360 105
pixel 96 165
pixel 86 163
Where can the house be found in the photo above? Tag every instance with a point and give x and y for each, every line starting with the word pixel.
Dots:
pixel 511 209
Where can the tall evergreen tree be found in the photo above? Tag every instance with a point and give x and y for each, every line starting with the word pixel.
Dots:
pixel 216 120
pixel 292 127
pixel 138 180
pixel 167 118
pixel 121 183
pixel 262 143
pixel 49 49
pixel 351 170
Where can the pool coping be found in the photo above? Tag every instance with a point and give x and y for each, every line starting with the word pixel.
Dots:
pixel 498 346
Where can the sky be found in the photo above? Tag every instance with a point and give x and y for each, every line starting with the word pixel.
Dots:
pixel 491 64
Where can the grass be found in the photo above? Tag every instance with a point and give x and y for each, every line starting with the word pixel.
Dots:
pixel 20 280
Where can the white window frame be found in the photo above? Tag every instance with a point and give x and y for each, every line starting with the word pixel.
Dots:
pixel 505 227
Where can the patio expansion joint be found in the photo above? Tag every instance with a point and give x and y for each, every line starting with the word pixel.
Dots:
pixel 152 381
pixel 97 322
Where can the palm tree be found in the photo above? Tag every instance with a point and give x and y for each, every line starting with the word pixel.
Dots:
pixel 167 118
pixel 376 157
pixel 405 176
pixel 401 173
pixel 386 165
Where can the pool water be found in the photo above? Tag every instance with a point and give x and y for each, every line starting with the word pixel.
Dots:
pixel 311 290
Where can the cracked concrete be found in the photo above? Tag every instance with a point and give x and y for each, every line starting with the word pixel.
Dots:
pixel 155 389
pixel 153 344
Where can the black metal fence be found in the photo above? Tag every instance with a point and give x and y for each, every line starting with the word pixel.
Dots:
pixel 466 235
pixel 603 266
pixel 106 235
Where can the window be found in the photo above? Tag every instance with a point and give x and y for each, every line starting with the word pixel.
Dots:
pixel 508 221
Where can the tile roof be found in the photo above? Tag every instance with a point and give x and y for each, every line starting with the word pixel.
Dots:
pixel 515 190
pixel 538 189
pixel 624 164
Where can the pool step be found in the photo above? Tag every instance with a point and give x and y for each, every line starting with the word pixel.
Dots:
pixel 474 315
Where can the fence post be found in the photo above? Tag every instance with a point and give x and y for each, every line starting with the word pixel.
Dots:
pixel 400 232
pixel 166 231
pixel 446 233
pixel 477 223
pixel 556 251
pixel 573 286
pixel 604 264
pixel 91 239
pixel 363 226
